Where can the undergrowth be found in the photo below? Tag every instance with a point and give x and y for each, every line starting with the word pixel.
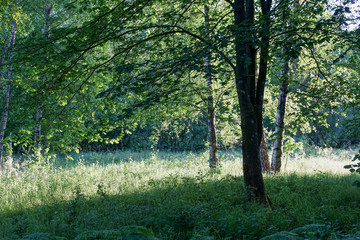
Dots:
pixel 173 194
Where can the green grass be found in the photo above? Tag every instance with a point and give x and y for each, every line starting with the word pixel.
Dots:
pixel 175 195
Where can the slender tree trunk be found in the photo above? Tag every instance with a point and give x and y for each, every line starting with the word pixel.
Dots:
pixel 10 146
pixel 280 114
pixel 7 91
pixel 264 156
pixel 4 119
pixel 250 93
pixel 282 100
pixel 39 113
pixel 213 158
pixel 38 127
pixel 280 119
pixel 6 46
pixel 316 135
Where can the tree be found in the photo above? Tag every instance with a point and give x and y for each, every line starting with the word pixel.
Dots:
pixel 213 158
pixel 251 90
pixel 284 90
pixel 37 133
pixel 8 86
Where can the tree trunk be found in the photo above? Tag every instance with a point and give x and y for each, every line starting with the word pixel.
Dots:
pixel 38 127
pixel 6 46
pixel 213 158
pixel 39 113
pixel 316 135
pixel 4 119
pixel 250 93
pixel 10 146
pixel 264 156
pixel 7 92
pixel 280 121
pixel 280 115
pixel 282 100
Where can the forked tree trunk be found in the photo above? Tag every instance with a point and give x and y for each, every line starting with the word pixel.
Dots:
pixel 213 158
pixel 7 91
pixel 251 92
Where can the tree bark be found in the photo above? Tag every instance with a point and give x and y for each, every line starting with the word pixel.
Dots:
pixel 250 93
pixel 264 156
pixel 213 158
pixel 280 118
pixel 280 114
pixel 7 92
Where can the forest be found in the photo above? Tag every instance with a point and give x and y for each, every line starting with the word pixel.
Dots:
pixel 179 119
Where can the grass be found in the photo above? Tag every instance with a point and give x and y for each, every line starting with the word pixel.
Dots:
pixel 175 195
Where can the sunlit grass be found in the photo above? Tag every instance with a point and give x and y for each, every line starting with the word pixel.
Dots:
pixel 174 194
pixel 320 160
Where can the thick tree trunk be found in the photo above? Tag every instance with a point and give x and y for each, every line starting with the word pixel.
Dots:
pixel 7 91
pixel 213 158
pixel 250 94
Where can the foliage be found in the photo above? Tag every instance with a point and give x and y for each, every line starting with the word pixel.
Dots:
pixel 42 236
pixel 312 231
pixel 125 233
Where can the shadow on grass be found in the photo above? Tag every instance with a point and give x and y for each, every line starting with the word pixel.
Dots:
pixel 209 205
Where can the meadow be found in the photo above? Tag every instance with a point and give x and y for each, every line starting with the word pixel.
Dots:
pixel 176 196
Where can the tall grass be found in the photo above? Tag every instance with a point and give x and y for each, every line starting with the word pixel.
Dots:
pixel 174 194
